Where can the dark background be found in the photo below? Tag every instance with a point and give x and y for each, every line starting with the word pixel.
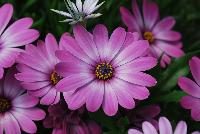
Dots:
pixel 167 94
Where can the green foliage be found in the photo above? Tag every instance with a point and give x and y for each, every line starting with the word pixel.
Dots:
pixel 166 93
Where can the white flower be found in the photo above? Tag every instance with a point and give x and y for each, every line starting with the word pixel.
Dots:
pixel 79 12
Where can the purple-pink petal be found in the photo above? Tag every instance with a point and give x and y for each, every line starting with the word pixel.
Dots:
pixel 189 86
pixel 194 67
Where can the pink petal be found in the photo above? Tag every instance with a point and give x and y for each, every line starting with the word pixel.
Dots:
pixel 165 126
pixel 137 14
pixel 36 85
pixel 85 41
pixel 40 92
pixel 137 65
pixel 164 25
pixel 189 86
pixel 123 97
pixel 25 101
pixel 32 113
pixel 51 46
pixel 66 69
pixel 21 38
pixel 130 38
pixel 32 77
pixel 137 78
pixel 25 122
pixel 6 12
pixel 194 67
pixel 136 91
pixel 10 121
pixel 181 128
pixel 168 36
pixel 148 128
pixel 17 26
pixel 12 88
pixel 101 39
pixel 69 44
pixel 116 42
pixel 196 113
pixel 8 56
pixel 73 82
pixel 170 49
pixel 95 95
pixel 49 98
pixel 150 12
pixel 77 98
pixel 138 48
pixel 134 131
pixel 189 102
pixel 129 20
pixel 110 102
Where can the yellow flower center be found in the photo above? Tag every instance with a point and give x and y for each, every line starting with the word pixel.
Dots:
pixel 104 71
pixel 55 78
pixel 5 105
pixel 149 37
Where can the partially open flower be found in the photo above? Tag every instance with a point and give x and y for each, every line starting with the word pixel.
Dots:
pixel 79 12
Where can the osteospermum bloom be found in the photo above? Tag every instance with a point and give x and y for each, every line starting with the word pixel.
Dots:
pixel 192 88
pixel 37 70
pixel 164 128
pixel 102 71
pixel 64 121
pixel 17 34
pixel 17 109
pixel 162 39
pixel 79 12
pixel 144 113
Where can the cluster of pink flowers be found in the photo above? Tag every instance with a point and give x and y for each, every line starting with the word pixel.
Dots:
pixel 89 69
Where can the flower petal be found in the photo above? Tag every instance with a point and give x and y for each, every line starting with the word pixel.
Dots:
pixel 194 67
pixel 150 12
pixel 134 131
pixel 181 128
pixel 170 49
pixel 165 126
pixel 25 101
pixel 110 102
pixel 17 26
pixel 101 40
pixel 85 41
pixel 95 95
pixel 148 128
pixel 168 36
pixel 137 65
pixel 129 20
pixel 163 25
pixel 10 121
pixel 6 12
pixel 25 122
pixel 138 48
pixel 137 78
pixel 189 86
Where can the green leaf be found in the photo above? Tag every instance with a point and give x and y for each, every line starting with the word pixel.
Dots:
pixel 174 96
pixel 179 67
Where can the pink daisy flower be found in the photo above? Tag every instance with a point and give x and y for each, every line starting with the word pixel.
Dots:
pixel 162 39
pixel 37 70
pixel 17 109
pixel 64 121
pixel 102 71
pixel 145 113
pixel 164 128
pixel 192 101
pixel 18 34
